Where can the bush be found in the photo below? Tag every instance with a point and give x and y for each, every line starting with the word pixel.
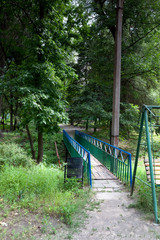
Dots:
pixel 12 154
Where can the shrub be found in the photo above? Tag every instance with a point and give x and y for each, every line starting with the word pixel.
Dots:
pixel 12 154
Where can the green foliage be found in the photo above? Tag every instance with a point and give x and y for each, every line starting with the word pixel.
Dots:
pixel 32 182
pixel 144 192
pixel 11 154
pixel 129 119
pixel 42 188
pixel 50 156
pixel 89 105
pixel 20 140
pixel 36 67
pixel 140 49
pixel 49 148
pixel 44 105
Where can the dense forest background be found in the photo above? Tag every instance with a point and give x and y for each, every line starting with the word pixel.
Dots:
pixel 57 61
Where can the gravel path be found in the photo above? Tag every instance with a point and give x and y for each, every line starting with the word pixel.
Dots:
pixel 115 220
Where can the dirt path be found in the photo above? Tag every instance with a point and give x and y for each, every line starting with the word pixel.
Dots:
pixel 115 220
pixel 70 129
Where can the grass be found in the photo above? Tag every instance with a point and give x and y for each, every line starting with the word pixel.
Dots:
pixel 41 187
pixel 142 192
pixel 37 190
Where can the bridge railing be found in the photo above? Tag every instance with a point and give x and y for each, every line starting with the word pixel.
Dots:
pixel 115 159
pixel 76 150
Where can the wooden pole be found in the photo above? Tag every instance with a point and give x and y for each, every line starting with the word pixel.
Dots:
pixel 57 154
pixel 117 76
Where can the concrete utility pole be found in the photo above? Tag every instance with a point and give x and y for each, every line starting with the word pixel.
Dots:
pixel 117 76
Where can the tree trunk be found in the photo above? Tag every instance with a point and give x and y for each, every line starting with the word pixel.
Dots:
pixel 95 127
pixel 72 121
pixel 15 124
pixel 15 115
pixel 110 131
pixel 11 114
pixel 1 135
pixel 11 119
pixel 3 121
pixel 40 146
pixel 87 124
pixel 31 142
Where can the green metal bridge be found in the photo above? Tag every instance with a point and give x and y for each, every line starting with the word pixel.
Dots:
pixel 116 160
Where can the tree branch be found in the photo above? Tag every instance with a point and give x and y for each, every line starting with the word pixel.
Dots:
pixel 136 73
pixel 27 15
pixel 110 27
pixel 3 53
pixel 141 38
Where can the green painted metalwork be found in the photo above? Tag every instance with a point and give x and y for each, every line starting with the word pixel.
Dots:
pixel 151 168
pixel 137 152
pixel 115 159
pixel 76 150
pixel 144 122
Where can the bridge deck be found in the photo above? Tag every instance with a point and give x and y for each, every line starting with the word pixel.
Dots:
pixel 100 172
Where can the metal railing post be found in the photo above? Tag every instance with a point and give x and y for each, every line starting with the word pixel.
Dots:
pixel 137 153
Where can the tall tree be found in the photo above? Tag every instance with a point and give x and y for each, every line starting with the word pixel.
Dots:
pixel 140 73
pixel 39 54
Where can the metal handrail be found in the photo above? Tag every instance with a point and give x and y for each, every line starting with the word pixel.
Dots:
pixel 108 148
pixel 84 153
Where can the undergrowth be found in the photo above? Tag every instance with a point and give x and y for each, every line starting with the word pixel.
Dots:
pixel 41 188
pixel 38 188
pixel 143 193
pixel 14 155
pixel 20 138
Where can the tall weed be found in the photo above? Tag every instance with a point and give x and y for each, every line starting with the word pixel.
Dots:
pixel 41 187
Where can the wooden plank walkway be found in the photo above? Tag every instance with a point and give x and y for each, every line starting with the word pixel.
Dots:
pixel 99 171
